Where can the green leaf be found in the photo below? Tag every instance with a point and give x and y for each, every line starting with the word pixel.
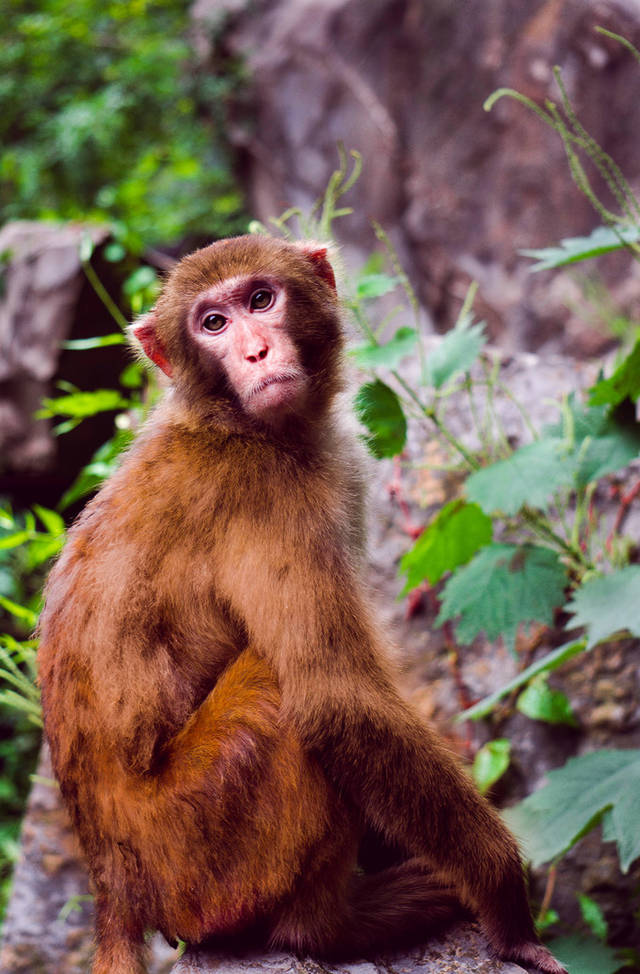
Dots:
pixel 540 702
pixel 19 611
pixel 529 476
pixel 457 532
pixel 584 955
pixel 601 241
pixel 608 604
pixel 593 916
pixel 456 353
pixel 388 355
pixel 502 587
pixel 81 404
pixel 51 520
pixel 103 463
pixel 14 540
pixel 491 762
pixel 375 285
pixel 141 279
pixel 552 819
pixel 379 409
pixel 623 384
pixel 547 663
pixel 100 341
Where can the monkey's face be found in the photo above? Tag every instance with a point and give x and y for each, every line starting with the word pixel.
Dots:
pixel 240 327
pixel 251 327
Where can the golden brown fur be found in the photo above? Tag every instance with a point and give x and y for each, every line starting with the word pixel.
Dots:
pixel 220 715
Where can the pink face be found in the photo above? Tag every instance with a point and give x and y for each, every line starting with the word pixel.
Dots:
pixel 240 324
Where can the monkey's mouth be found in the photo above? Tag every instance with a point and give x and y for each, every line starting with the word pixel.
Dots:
pixel 278 390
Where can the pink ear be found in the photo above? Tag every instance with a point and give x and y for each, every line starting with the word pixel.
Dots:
pixel 145 331
pixel 318 257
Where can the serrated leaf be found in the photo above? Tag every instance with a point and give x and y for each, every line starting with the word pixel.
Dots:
pixel 491 762
pixel 593 916
pixel 540 702
pixel 585 955
pixel 602 240
pixel 457 532
pixel 502 587
pixel 375 285
pixel 379 409
pixel 456 353
pixel 553 818
pixel 547 663
pixel 623 384
pixel 529 476
pixel 608 604
pixel 389 355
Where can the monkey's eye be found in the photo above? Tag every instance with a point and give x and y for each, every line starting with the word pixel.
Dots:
pixel 213 323
pixel 261 299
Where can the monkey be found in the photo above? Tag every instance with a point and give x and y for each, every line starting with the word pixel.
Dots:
pixel 222 717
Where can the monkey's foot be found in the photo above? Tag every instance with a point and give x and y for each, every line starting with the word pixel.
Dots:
pixel 534 955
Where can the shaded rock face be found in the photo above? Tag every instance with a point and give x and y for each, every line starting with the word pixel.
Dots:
pixel 45 299
pixel 460 191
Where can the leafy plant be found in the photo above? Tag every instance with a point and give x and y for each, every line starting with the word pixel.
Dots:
pixel 105 116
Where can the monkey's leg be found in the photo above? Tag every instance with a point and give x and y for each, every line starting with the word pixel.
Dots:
pixel 219 837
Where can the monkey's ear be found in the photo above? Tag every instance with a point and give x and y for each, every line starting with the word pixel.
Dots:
pixel 144 330
pixel 317 255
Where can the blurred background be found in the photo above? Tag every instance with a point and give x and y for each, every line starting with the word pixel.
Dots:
pixel 133 131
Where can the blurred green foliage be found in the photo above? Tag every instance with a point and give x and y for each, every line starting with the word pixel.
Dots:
pixel 104 114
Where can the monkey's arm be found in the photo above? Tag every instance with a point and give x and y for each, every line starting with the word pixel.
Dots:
pixel 314 626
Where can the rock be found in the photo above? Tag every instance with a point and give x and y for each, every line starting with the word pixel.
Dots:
pixel 463 951
pixel 459 191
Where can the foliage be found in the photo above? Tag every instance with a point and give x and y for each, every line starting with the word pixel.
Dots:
pixel 103 116
pixel 603 785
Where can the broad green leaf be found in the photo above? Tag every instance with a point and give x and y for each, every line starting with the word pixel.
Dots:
pixel 502 587
pixel 379 409
pixel 585 955
pixel 51 519
pixel 608 604
pixel 81 404
pixel 593 916
pixel 490 763
pixel 553 818
pixel 530 476
pixel 375 285
pixel 540 702
pixel 547 663
pixel 43 548
pixel 623 384
pixel 388 355
pixel 601 241
pixel 452 538
pixel 100 341
pixel 456 353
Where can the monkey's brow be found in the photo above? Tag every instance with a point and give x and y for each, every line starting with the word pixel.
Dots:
pixel 231 289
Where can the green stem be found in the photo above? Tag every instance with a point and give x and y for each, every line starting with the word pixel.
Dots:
pixel 104 296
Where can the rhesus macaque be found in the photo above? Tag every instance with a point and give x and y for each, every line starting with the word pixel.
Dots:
pixel 221 719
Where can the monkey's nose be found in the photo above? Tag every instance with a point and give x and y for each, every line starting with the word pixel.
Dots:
pixel 259 355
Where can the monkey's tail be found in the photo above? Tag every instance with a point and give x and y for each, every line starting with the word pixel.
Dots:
pixel 398 907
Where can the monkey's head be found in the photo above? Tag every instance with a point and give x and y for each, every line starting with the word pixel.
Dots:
pixel 251 327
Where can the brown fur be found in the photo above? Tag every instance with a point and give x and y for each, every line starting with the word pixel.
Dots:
pixel 220 715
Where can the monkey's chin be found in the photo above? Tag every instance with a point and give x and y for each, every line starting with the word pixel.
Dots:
pixel 276 399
